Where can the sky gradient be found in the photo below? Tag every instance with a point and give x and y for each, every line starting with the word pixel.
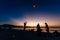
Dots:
pixel 19 11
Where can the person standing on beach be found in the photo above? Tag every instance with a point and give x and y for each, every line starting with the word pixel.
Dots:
pixel 47 28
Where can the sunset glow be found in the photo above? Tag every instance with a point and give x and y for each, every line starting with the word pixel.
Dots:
pixel 33 20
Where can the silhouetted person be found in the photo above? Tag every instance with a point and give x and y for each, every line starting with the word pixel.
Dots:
pixel 56 33
pixel 47 28
pixel 24 25
pixel 32 29
pixel 39 29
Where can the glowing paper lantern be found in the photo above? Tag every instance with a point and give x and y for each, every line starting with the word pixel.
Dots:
pixel 34 5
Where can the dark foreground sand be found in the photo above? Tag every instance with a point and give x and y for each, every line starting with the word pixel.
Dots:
pixel 26 35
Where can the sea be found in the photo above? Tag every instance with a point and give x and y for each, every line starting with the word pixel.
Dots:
pixel 34 28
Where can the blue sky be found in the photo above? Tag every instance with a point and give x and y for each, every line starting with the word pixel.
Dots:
pixel 19 9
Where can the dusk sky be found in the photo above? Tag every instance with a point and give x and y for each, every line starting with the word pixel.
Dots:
pixel 19 11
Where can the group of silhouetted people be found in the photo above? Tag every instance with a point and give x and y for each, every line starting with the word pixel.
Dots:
pixel 39 28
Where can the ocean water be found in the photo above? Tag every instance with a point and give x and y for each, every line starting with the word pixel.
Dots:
pixel 51 28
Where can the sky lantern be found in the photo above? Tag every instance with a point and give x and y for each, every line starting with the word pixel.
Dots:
pixel 34 5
